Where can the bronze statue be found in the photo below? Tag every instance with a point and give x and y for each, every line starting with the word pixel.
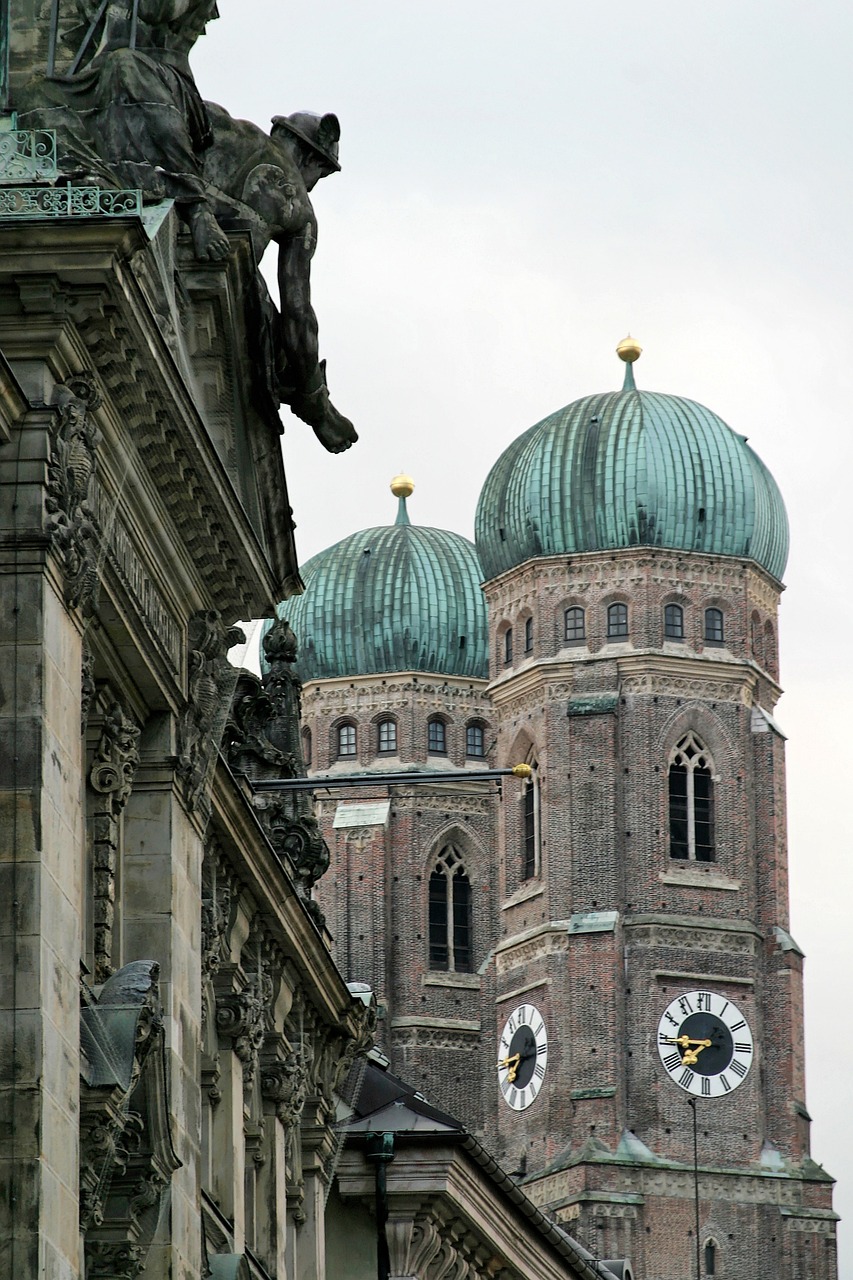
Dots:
pixel 127 113
pixel 268 177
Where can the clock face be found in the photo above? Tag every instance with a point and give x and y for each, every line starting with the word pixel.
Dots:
pixel 705 1044
pixel 522 1056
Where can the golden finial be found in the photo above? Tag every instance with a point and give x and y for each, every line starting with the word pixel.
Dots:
pixel 629 350
pixel 402 486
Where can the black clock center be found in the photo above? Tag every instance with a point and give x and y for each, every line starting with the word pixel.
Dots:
pixel 710 1059
pixel 524 1044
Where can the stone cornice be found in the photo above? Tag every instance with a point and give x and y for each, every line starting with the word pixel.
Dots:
pixel 626 556
pixel 387 682
pixel 78 280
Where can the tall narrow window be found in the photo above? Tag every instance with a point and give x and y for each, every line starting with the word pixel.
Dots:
pixel 306 747
pixel 691 802
pixel 346 739
pixel 508 645
pixel 617 621
pixel 528 635
pixel 436 737
pixel 450 914
pixel 710 1258
pixel 387 742
pixel 529 828
pixel 475 740
pixel 673 622
pixel 574 624
pixel 714 632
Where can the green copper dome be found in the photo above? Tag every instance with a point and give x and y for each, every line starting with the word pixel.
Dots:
pixel 630 468
pixel 397 598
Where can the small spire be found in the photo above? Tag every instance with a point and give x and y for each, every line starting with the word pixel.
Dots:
pixel 629 350
pixel 402 486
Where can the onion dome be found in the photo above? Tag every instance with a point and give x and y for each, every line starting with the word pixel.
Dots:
pixel 397 598
pixel 630 468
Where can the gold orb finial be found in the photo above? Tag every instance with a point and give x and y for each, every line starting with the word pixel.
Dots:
pixel 629 350
pixel 402 486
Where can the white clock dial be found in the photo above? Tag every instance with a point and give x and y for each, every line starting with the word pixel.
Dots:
pixel 522 1057
pixel 705 1044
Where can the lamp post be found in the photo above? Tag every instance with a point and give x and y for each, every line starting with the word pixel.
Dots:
pixel 691 1102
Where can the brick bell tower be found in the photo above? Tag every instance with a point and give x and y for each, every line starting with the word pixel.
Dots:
pixel 633 547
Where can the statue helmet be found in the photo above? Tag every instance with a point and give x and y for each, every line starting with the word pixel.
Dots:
pixel 321 133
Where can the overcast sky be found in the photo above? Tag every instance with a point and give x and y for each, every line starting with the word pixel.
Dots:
pixel 521 186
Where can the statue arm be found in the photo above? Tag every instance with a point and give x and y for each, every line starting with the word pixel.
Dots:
pixel 306 392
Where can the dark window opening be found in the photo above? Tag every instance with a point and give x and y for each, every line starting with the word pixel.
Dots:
pixel 306 747
pixel 617 621
pixel 387 736
pixel 475 740
pixel 673 622
pixel 346 740
pixel 528 635
pixel 437 737
pixel 528 820
pixel 575 624
pixel 450 940
pixel 508 645
pixel 714 626
pixel 691 802
pixel 710 1258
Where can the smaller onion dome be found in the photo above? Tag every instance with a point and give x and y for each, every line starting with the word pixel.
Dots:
pixel 630 468
pixel 396 598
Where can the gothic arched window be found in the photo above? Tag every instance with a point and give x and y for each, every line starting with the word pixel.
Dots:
pixel 710 1258
pixel 306 747
pixel 347 741
pixel 574 624
pixel 436 737
pixel 691 802
pixel 387 736
pixel 508 646
pixel 617 621
pixel 673 622
pixel 450 914
pixel 475 740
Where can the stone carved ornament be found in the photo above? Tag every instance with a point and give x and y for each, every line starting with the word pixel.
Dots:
pixel 116 756
pixel 111 777
pixel 128 114
pixel 263 740
pixel 71 468
pixel 127 1158
pixel 210 681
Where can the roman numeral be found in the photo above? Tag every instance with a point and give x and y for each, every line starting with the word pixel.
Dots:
pixel 539 1071
pixel 686 1078
pixel 703 1000
pixel 670 1018
pixel 724 1082
pixel 505 1087
pixel 706 1087
pixel 664 1038
pixel 522 1099
pixel 685 1006
pixel 723 1010
pixel 738 1068
pixel 743 1046
pixel 737 1026
pixel 537 1031
pixel 672 1061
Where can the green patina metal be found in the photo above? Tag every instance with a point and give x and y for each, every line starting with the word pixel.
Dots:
pixel 396 598
pixel 630 468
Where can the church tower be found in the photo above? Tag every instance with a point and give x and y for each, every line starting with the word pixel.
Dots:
pixel 632 547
